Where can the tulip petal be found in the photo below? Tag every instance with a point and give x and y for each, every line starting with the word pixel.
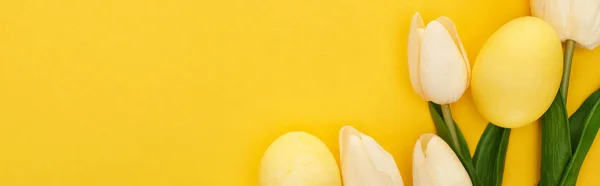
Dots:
pixel 356 168
pixel 414 39
pixel 444 164
pixel 421 176
pixel 382 160
pixel 442 69
pixel 584 23
pixel 555 13
pixel 449 25
pixel 437 164
pixel 364 162
pixel 344 133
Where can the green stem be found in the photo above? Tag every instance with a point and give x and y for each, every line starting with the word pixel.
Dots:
pixel 568 58
pixel 450 123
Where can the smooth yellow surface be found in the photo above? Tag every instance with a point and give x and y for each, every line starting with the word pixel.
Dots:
pixel 298 159
pixel 517 73
pixel 192 92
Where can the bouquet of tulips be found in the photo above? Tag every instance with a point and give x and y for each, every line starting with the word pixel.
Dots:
pixel 519 77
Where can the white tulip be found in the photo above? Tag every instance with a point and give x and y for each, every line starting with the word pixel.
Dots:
pixel 578 20
pixel 364 162
pixel 438 65
pixel 435 164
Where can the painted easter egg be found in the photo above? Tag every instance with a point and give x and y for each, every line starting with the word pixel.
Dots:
pixel 296 159
pixel 517 73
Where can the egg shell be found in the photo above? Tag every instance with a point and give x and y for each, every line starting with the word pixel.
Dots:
pixel 517 73
pixel 298 159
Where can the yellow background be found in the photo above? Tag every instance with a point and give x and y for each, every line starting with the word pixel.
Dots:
pixel 188 92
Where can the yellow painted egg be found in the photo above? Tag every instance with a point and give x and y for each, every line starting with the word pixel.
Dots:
pixel 517 72
pixel 297 159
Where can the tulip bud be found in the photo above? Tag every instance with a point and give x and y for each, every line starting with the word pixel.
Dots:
pixel 577 20
pixel 438 65
pixel 364 162
pixel 435 164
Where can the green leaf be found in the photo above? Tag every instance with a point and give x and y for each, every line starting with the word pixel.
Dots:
pixel 588 130
pixel 443 131
pixel 577 119
pixel 463 153
pixel 490 154
pixel 556 143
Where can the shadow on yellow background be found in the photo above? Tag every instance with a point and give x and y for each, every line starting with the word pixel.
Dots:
pixel 182 92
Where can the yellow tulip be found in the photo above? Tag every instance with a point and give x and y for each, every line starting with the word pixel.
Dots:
pixel 438 65
pixel 517 73
pixel 364 162
pixel 577 20
pixel 298 159
pixel 435 164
